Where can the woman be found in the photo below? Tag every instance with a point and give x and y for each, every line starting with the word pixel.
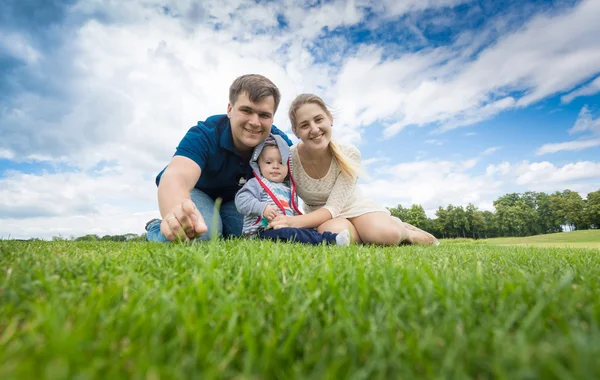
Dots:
pixel 326 175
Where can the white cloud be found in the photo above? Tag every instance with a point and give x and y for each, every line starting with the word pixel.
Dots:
pixel 569 145
pixel 445 86
pixel 437 183
pixel 431 183
pixel 586 122
pixel 18 46
pixel 582 176
pixel 105 202
pixel 6 154
pixel 547 173
pixel 490 150
pixel 391 8
pixel 161 80
pixel 113 221
pixel 501 169
pixel 590 89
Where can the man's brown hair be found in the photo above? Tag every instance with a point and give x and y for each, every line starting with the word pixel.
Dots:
pixel 256 86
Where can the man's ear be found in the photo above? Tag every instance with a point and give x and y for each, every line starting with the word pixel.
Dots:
pixel 229 109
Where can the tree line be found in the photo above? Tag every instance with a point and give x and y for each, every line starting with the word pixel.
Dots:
pixel 93 237
pixel 516 214
pixel 125 237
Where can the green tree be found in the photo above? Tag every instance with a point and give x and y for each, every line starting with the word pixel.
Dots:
pixel 546 221
pixel 593 208
pixel 470 211
pixel 89 237
pixel 440 222
pixel 517 214
pixel 460 222
pixel 491 228
pixel 478 224
pixel 568 209
pixel 399 212
pixel 416 216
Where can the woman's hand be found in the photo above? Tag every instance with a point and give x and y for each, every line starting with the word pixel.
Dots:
pixel 281 221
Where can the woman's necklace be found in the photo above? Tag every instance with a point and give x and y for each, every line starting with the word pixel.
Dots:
pixel 317 168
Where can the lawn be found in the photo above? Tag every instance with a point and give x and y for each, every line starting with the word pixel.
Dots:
pixel 250 309
pixel 575 239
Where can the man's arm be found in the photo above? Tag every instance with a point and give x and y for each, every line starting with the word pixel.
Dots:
pixel 176 182
pixel 277 131
pixel 181 218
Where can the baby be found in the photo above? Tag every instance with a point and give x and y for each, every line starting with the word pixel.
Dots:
pixel 273 192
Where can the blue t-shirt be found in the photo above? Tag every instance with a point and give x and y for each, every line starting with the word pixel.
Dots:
pixel 210 145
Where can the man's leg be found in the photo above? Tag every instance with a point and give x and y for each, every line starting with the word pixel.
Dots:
pixel 153 232
pixel 204 204
pixel 233 221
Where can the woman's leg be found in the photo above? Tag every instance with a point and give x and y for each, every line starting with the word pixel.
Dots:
pixel 381 228
pixel 337 225
pixel 417 235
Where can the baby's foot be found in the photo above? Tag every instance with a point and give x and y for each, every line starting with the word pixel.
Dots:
pixel 343 238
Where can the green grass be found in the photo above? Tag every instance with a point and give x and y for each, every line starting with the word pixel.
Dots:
pixel 575 239
pixel 248 309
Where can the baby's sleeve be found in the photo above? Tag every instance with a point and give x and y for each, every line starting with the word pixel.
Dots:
pixel 247 199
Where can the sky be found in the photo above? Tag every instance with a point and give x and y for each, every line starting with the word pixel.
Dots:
pixel 449 101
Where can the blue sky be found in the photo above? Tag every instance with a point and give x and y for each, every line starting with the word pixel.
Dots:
pixel 449 101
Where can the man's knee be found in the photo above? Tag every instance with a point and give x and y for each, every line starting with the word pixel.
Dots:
pixel 153 232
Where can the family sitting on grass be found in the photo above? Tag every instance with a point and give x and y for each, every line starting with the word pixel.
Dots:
pixel 246 161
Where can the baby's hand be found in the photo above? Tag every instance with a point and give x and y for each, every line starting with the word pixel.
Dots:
pixel 270 212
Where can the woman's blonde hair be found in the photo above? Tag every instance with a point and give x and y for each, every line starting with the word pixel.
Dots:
pixel 347 167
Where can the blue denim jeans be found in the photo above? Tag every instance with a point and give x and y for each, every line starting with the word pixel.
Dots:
pixel 300 235
pixel 229 220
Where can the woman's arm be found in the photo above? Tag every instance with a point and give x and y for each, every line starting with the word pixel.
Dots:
pixel 310 220
pixel 340 192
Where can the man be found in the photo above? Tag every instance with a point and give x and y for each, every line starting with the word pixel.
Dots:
pixel 212 161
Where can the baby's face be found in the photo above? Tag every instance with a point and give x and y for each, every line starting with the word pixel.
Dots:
pixel 270 164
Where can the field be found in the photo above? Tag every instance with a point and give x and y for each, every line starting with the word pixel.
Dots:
pixel 247 309
pixel 575 239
